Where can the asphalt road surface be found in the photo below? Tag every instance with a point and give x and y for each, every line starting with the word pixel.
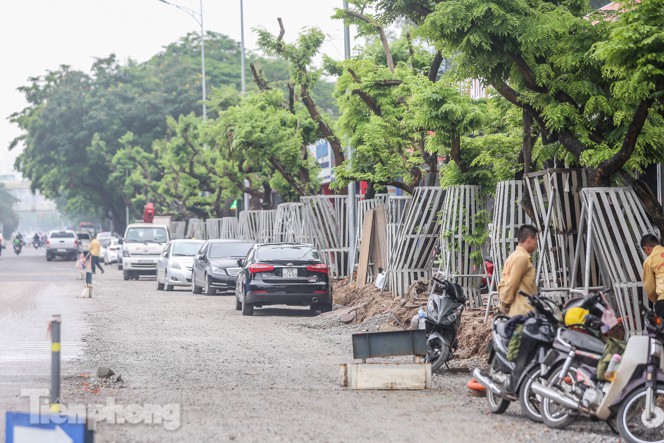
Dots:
pixel 194 369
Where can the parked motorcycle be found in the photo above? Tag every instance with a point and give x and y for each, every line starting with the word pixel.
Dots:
pixel 632 392
pixel 443 317
pixel 509 381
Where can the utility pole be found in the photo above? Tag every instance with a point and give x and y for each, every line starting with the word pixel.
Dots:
pixel 244 86
pixel 198 17
pixel 351 184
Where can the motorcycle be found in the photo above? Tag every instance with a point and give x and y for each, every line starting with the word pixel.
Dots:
pixel 509 381
pixel 441 322
pixel 36 244
pixel 17 249
pixel 632 393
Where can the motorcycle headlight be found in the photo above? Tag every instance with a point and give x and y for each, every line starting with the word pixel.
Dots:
pixel 176 265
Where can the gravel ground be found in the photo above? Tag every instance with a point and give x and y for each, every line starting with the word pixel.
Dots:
pixel 270 377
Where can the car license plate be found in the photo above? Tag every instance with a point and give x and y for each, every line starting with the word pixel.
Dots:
pixel 290 273
pixel 145 261
pixel 62 250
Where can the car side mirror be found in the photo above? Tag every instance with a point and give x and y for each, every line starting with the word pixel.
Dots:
pixel 240 262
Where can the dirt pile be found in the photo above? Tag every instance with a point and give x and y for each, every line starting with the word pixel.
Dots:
pixel 361 305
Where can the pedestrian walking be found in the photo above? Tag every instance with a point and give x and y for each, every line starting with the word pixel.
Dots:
pixel 519 274
pixel 653 272
pixel 88 270
pixel 95 252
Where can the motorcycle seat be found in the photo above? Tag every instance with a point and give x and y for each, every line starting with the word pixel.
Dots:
pixel 583 341
pixel 500 325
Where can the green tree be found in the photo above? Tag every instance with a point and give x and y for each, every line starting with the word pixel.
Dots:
pixel 8 217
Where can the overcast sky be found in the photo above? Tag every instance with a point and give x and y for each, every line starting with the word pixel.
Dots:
pixel 37 35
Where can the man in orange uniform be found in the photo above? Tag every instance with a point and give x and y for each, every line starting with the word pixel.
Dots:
pixel 519 274
pixel 653 272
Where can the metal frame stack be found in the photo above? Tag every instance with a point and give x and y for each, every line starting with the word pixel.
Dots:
pixel 229 228
pixel 613 221
pixel 266 222
pixel 177 229
pixel 326 220
pixel 213 228
pixel 411 258
pixel 248 225
pixel 196 229
pixel 508 216
pixel 462 204
pixel 555 198
pixel 396 210
pixel 289 224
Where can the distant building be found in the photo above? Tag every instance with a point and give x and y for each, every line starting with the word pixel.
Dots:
pixel 34 211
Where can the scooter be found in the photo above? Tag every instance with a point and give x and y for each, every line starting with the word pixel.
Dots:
pixel 634 394
pixel 509 381
pixel 441 322
pixel 17 249
pixel 36 244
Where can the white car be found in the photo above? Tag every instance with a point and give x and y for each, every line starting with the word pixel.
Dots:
pixel 111 252
pixel 84 239
pixel 174 265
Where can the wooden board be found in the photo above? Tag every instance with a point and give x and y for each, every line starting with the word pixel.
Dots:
pixel 386 376
pixel 363 263
pixel 379 240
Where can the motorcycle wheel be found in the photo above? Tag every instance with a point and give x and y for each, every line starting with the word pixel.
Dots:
pixel 497 404
pixel 441 349
pixel 531 404
pixel 632 423
pixel 554 415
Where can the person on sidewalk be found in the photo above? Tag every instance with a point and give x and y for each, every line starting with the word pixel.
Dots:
pixel 653 272
pixel 519 274
pixel 95 252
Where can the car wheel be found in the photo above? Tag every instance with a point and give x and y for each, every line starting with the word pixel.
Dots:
pixel 126 275
pixel 247 308
pixel 238 304
pixel 209 290
pixel 321 307
pixel 160 286
pixel 194 288
pixel 49 257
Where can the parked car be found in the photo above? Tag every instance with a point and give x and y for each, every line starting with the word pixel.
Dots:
pixel 215 266
pixel 174 265
pixel 84 238
pixel 62 244
pixel 283 274
pixel 112 251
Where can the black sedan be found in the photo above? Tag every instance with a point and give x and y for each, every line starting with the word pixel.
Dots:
pixel 283 274
pixel 215 266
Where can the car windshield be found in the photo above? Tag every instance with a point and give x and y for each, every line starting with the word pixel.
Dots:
pixel 62 235
pixel 146 235
pixel 83 236
pixel 186 249
pixel 287 252
pixel 223 250
pixel 105 241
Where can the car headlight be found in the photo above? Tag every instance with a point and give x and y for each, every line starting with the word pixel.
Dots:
pixel 176 265
pixel 125 253
pixel 217 270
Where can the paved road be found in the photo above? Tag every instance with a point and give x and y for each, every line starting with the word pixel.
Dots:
pixel 218 376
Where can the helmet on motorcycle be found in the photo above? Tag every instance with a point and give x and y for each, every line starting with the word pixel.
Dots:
pixel 575 316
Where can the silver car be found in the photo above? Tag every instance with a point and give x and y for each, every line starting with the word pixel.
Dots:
pixel 110 248
pixel 174 264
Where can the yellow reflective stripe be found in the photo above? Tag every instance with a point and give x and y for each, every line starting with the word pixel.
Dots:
pixel 55 347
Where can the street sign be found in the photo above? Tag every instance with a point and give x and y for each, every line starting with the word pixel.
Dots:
pixel 30 428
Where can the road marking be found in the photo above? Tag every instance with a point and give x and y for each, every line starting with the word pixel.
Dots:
pixel 36 351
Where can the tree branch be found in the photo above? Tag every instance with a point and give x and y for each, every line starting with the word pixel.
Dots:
pixel 435 66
